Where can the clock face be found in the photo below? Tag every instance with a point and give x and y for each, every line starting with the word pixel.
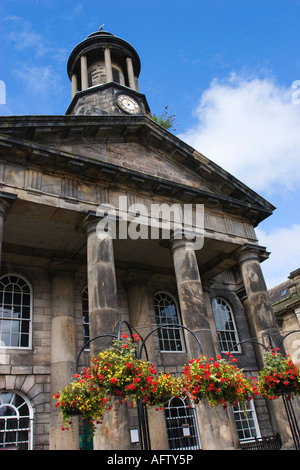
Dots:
pixel 128 104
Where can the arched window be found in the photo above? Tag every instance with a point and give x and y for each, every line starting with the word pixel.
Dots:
pixel 16 421
pixel 15 312
pixel 85 315
pixel 225 325
pixel 170 338
pixel 182 425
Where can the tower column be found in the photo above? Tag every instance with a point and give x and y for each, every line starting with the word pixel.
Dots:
pixel 84 72
pixel 216 431
pixel 74 85
pixel 130 72
pixel 108 66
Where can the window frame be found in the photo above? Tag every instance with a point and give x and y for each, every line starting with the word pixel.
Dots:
pixel 17 416
pixel 163 341
pixel 237 410
pixel 84 312
pixel 224 331
pixel 189 417
pixel 30 319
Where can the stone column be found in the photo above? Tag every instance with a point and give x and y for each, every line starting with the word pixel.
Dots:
pixel 190 292
pixel 130 73
pixel 74 85
pixel 84 72
pixel 102 285
pixel 6 201
pixel 258 306
pixel 262 321
pixel 108 66
pixel 104 318
pixel 63 357
pixel 136 285
pixel 3 213
pixel 215 429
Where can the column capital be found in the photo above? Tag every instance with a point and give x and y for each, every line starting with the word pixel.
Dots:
pixel 90 225
pixel 249 252
pixel 6 201
pixel 177 243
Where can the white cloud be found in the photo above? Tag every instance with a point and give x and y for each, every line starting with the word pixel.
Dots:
pixel 283 243
pixel 41 80
pixel 23 37
pixel 251 128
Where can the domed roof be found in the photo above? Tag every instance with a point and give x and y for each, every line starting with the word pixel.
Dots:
pixel 99 40
pixel 100 33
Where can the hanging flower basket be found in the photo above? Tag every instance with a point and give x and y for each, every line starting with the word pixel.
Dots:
pixel 217 381
pixel 115 372
pixel 280 376
pixel 166 386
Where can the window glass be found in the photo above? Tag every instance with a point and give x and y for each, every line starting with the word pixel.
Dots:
pixel 15 312
pixel 226 330
pixel 181 425
pixel 85 316
pixel 16 420
pixel 246 422
pixel 170 338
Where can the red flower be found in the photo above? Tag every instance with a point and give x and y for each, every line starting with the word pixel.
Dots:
pixel 124 336
pixel 136 337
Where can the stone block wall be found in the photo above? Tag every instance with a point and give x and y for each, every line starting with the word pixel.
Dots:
pixel 28 370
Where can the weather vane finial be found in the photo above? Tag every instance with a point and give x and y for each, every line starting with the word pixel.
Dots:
pixel 101 27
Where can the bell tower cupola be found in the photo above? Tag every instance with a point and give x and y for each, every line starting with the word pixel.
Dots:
pixel 104 72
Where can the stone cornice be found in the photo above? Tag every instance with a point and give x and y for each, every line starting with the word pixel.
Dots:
pixel 22 140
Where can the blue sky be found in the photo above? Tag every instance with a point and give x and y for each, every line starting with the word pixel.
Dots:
pixel 225 68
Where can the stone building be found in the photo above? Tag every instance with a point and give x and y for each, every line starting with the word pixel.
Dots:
pixel 62 283
pixel 285 298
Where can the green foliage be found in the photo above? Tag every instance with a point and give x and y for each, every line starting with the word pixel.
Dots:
pixel 167 122
pixel 279 376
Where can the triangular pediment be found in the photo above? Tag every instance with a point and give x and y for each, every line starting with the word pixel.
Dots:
pixel 133 151
pixel 136 157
